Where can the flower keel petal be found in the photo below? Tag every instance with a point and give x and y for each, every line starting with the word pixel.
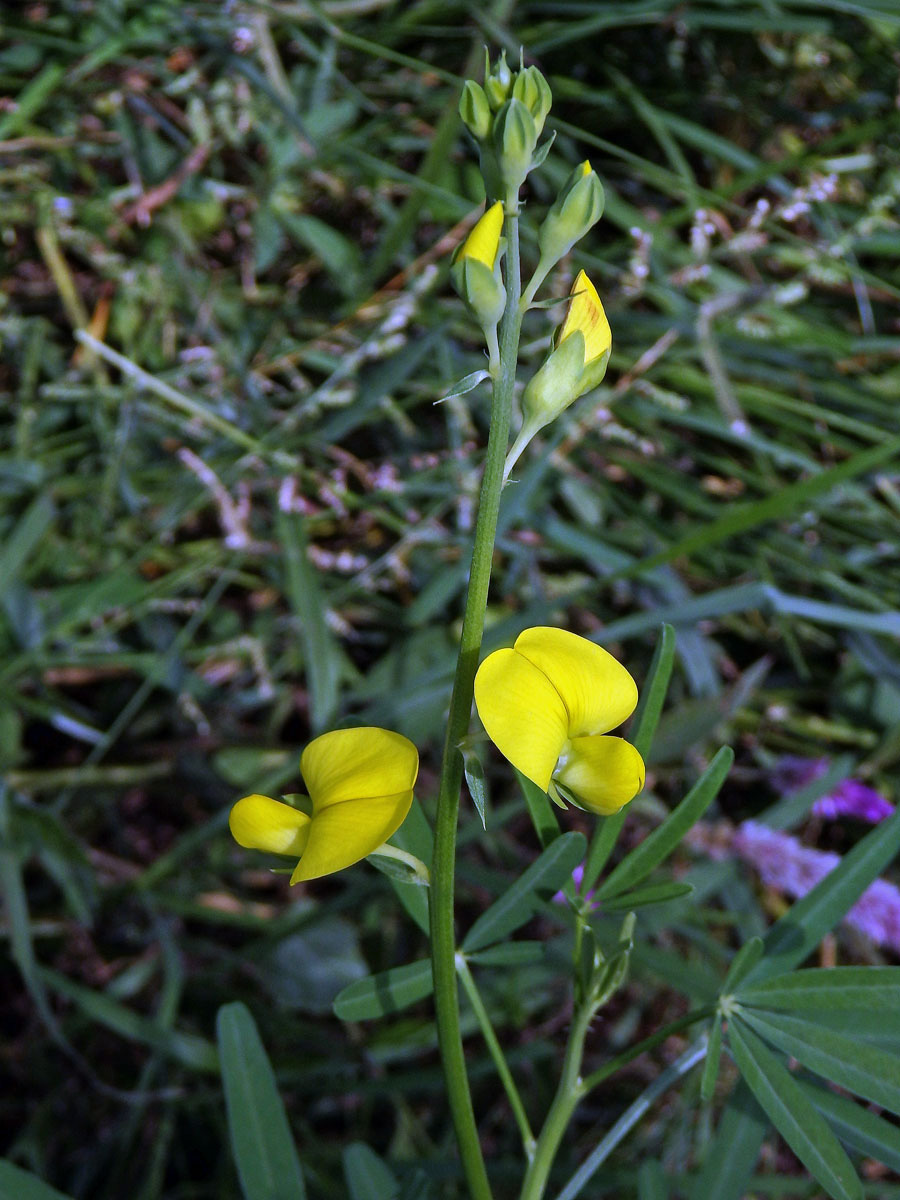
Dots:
pixel 261 823
pixel 604 773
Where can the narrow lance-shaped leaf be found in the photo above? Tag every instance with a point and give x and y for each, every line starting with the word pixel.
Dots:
pixel 857 1126
pixel 838 989
pixel 728 1166
pixel 662 841
pixel 386 992
pixel 261 1141
pixel 517 905
pixel 742 963
pixel 368 1177
pixel 711 1066
pixel 849 1061
pixel 802 1126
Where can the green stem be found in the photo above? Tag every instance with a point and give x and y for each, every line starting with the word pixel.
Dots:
pixel 568 1093
pixel 496 1051
pixel 572 1089
pixel 443 937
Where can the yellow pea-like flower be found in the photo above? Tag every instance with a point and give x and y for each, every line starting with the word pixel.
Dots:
pixel 360 784
pixel 548 704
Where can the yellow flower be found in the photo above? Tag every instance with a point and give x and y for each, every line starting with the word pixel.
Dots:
pixel 483 242
pixel 587 316
pixel 360 784
pixel 547 705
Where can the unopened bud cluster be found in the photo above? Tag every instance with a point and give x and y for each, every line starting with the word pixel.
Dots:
pixel 506 116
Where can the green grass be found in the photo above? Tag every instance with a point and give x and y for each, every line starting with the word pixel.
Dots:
pixel 257 529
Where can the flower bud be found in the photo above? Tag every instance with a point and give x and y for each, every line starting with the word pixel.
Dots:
pixel 532 89
pixel 515 138
pixel 498 83
pixel 577 209
pixel 475 110
pixel 578 362
pixel 475 269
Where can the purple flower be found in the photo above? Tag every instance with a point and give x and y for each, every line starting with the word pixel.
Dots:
pixel 577 877
pixel 783 863
pixel 853 799
pixel 850 798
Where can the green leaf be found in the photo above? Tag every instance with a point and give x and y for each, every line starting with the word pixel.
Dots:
pixel 543 818
pixel 865 989
pixel 849 1061
pixel 859 1127
pixel 261 1142
pixel 368 1178
pixel 662 841
pixel 17 1184
pixel 386 992
pixel 658 893
pixel 646 719
pixel 652 1183
pixel 415 836
pixel 728 1166
pixel 29 531
pixel 792 1114
pixel 743 962
pixel 551 871
pixel 321 656
pixel 711 1065
pixel 794 937
pixel 467 384
pixel 509 954
pixel 474 773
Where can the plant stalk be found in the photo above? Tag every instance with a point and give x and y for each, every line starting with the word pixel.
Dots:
pixel 443 936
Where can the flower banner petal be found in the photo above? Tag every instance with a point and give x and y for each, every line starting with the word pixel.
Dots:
pixel 261 823
pixel 484 240
pixel 355 764
pixel 603 773
pixel 597 691
pixel 586 313
pixel 522 713
pixel 342 834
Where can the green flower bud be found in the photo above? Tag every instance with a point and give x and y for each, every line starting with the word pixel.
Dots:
pixel 532 89
pixel 555 385
pixel 475 110
pixel 481 289
pixel 578 208
pixel 515 138
pixel 498 83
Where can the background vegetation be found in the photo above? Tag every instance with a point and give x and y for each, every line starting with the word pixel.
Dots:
pixel 252 526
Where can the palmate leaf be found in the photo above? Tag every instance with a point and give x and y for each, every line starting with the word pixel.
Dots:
pixel 790 1111
pixel 856 1065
